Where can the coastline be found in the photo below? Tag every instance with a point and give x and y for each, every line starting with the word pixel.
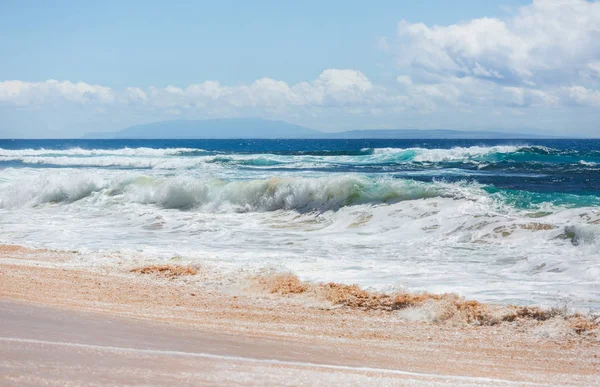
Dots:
pixel 296 326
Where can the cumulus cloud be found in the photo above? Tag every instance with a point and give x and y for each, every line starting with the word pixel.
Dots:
pixel 550 41
pixel 333 88
pixel 29 93
pixel 544 56
pixel 581 95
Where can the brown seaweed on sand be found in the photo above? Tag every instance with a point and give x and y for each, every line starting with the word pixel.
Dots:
pixel 167 271
pixel 448 307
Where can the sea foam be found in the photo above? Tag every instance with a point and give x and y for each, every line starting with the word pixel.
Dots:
pixel 398 217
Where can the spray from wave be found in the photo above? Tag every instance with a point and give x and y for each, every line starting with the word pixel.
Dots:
pixel 373 216
pixel 100 152
pixel 211 194
pixel 173 158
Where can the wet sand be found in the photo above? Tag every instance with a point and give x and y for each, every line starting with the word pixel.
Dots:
pixel 44 346
pixel 62 324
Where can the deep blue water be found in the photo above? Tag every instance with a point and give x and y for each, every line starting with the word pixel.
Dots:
pixel 590 146
pixel 500 220
pixel 539 166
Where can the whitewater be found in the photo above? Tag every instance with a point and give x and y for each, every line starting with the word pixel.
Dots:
pixel 497 221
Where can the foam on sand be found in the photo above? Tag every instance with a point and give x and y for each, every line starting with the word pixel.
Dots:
pixel 359 333
pixel 383 218
pixel 166 271
pixel 442 308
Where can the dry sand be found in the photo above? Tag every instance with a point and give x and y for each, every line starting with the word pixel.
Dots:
pixel 120 323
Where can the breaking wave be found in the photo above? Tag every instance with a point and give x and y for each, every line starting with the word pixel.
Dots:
pixel 276 193
pixel 211 194
pixel 185 158
pixel 99 152
pixel 524 227
pixel 485 154
pixel 482 157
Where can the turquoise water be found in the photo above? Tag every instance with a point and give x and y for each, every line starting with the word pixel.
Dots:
pixel 501 221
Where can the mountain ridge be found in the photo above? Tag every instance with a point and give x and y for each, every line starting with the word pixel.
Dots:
pixel 254 128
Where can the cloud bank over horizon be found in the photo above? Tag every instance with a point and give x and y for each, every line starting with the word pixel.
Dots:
pixel 538 69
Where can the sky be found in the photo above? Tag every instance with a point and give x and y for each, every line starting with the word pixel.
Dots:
pixel 69 68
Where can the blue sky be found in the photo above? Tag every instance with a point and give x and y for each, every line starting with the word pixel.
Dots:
pixel 71 67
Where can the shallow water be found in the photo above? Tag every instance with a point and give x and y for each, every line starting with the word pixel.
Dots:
pixel 499 221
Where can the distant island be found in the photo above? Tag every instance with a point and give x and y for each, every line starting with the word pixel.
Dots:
pixel 266 129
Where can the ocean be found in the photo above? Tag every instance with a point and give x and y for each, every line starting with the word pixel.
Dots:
pixel 502 221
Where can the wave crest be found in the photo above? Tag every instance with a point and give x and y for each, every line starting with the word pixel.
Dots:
pixel 184 158
pixel 74 152
pixel 210 194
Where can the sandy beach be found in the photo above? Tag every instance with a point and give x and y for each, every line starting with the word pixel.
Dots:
pixel 157 325
pixel 300 193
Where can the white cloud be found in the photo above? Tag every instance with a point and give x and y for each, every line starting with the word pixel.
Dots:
pixel 581 95
pixel 545 57
pixel 404 80
pixel 332 88
pixel 540 56
pixel 548 42
pixel 28 93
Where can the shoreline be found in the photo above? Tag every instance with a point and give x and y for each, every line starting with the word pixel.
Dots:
pixel 523 350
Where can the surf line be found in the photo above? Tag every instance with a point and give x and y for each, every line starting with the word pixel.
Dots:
pixel 252 360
